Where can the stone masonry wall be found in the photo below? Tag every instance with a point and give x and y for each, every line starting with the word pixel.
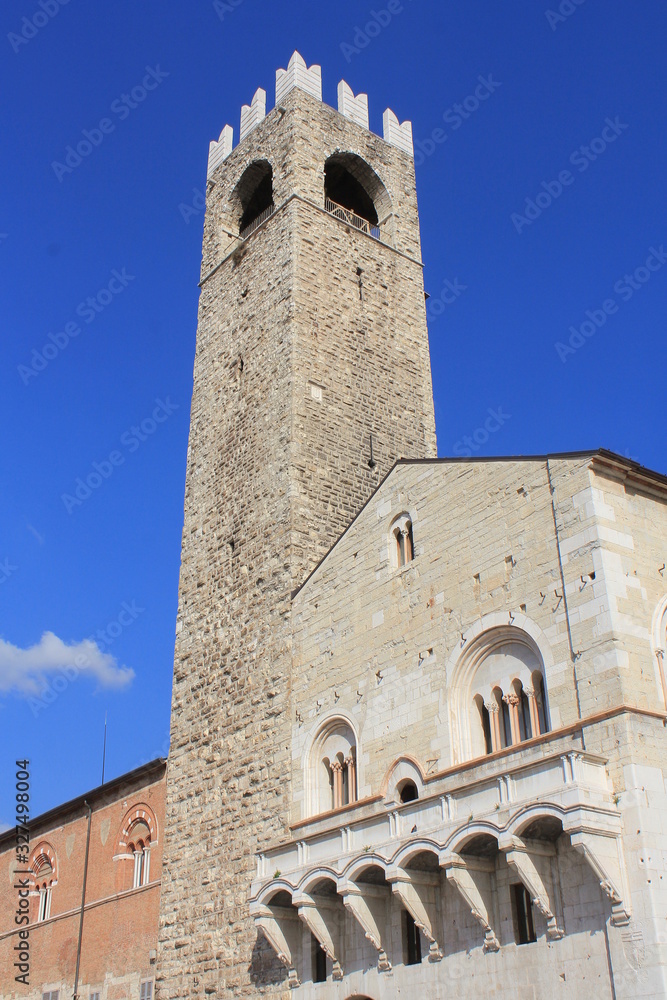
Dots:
pixel 272 480
pixel 485 548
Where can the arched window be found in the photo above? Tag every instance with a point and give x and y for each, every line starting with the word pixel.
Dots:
pixel 43 870
pixel 659 643
pixel 408 791
pixel 343 186
pixel 140 849
pixel 502 710
pixel 354 193
pixel 254 196
pixel 506 693
pixel 403 782
pixel 333 767
pixel 485 721
pixel 401 541
pixel 137 837
pixel 539 703
pixel 525 725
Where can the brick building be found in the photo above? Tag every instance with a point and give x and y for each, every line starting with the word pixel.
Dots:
pixel 419 704
pixel 117 958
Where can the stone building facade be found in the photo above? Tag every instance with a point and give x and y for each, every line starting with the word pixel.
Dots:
pixel 419 705
pixel 117 958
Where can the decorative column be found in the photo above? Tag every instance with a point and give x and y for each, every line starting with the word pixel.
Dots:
pixel 660 656
pixel 136 881
pixel 494 724
pixel 534 714
pixel 512 701
pixel 337 770
pixel 351 777
pixel 407 545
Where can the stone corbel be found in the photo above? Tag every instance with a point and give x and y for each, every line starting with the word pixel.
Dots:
pixel 412 890
pixel 604 856
pixel 279 925
pixel 320 918
pixel 473 883
pixel 366 905
pixel 534 869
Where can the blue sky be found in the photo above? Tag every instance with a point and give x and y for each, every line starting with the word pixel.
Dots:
pixel 541 134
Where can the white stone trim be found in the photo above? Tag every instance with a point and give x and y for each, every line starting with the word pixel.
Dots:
pixel 399 135
pixel 354 108
pixel 299 75
pixel 220 150
pixel 252 114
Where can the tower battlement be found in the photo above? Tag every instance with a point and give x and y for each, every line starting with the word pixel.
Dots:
pixel 308 79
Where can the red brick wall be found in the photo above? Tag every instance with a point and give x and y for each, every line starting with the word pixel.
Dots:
pixel 120 923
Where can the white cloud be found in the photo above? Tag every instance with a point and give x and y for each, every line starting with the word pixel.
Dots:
pixel 28 671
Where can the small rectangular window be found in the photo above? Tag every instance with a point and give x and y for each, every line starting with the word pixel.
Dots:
pixel 319 959
pixel 146 990
pixel 413 945
pixel 94 996
pixel 523 914
pixel 53 995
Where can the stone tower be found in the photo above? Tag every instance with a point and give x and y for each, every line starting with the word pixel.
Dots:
pixel 311 378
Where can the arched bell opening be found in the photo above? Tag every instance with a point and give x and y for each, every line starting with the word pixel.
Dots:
pixel 253 196
pixel 354 193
